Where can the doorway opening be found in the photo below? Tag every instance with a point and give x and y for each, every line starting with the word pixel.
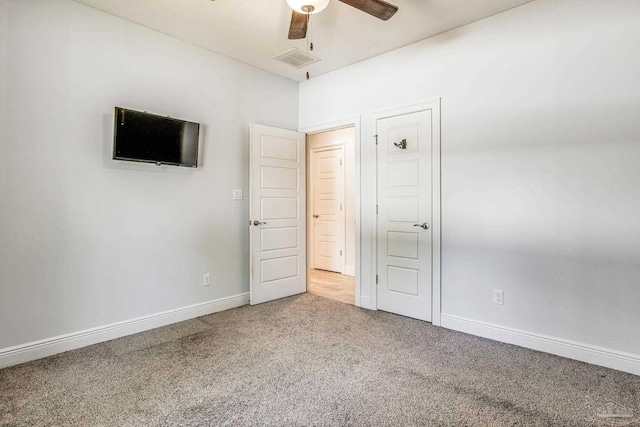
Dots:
pixel 331 214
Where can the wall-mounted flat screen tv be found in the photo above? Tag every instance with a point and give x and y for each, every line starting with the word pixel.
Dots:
pixel 143 137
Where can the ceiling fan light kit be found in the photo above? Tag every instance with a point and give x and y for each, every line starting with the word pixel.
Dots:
pixel 308 7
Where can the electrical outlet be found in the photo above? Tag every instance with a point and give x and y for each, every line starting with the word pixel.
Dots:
pixel 237 194
pixel 206 279
pixel 498 297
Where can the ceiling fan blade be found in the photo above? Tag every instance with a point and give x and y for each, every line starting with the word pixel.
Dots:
pixel 378 8
pixel 298 27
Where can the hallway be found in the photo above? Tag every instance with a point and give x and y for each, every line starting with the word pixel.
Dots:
pixel 335 286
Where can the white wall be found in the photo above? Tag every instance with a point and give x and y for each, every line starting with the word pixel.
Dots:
pixel 85 240
pixel 346 138
pixel 540 162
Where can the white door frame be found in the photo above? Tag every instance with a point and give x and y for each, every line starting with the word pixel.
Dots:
pixel 354 122
pixel 434 106
pixel 311 263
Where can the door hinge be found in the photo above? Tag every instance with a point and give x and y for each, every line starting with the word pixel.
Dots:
pixel 340 206
pixel 376 279
pixel 340 162
pixel 341 252
pixel 377 212
pixel 376 137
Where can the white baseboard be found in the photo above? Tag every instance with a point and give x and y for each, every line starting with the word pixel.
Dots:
pixel 350 271
pixel 38 349
pixel 573 350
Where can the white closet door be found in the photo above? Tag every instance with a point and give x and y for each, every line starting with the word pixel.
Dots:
pixel 405 214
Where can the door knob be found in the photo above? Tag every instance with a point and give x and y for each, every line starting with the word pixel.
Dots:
pixel 424 225
pixel 256 223
pixel 316 216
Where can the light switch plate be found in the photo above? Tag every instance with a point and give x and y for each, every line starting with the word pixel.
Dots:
pixel 237 194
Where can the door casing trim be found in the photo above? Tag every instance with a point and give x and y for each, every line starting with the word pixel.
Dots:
pixel 436 278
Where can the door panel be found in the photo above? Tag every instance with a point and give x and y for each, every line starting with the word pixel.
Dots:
pixel 278 203
pixel 402 245
pixel 279 178
pixel 328 204
pixel 272 239
pixel 404 201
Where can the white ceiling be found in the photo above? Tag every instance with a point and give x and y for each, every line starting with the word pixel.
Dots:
pixel 253 31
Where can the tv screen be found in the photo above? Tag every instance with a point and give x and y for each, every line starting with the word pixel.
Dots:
pixel 144 137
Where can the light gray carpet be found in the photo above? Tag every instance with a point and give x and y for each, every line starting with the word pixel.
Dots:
pixel 306 361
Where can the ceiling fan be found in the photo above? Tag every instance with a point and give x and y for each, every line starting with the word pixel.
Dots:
pixel 302 9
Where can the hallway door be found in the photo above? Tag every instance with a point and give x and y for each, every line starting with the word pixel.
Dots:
pixel 328 209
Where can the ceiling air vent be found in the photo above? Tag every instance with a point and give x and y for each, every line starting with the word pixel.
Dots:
pixel 296 58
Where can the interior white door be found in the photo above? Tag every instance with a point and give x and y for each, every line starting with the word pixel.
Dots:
pixel 278 213
pixel 328 209
pixel 405 214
